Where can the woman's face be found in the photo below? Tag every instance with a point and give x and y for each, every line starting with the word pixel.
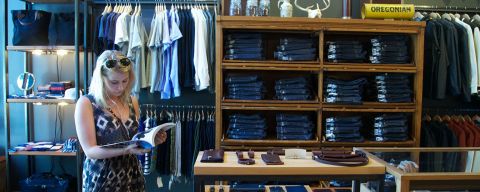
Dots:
pixel 115 83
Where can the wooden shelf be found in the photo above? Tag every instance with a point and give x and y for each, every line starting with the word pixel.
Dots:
pixel 409 143
pixel 327 24
pixel 43 153
pixel 43 48
pixel 269 142
pixel 271 105
pixel 272 65
pixel 235 101
pixel 42 101
pixel 368 67
pixel 367 109
pixel 51 1
pixel 372 105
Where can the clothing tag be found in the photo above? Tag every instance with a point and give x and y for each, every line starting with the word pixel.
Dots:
pixel 159 182
pixel 295 153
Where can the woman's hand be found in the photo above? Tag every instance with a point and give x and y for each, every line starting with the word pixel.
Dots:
pixel 134 149
pixel 160 138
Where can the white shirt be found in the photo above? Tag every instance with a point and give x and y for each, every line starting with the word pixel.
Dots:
pixel 200 61
pixel 473 57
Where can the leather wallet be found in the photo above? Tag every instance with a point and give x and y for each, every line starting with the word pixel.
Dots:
pixel 272 159
pixel 212 156
pixel 340 157
pixel 246 161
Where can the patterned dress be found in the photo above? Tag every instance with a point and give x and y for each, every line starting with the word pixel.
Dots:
pixel 122 173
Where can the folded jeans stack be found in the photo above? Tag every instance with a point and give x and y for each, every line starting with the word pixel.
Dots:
pixel 391 49
pixel 296 49
pixel 243 126
pixel 345 52
pixel 293 89
pixel 391 127
pixel 393 88
pixel 343 129
pixel 244 46
pixel 294 127
pixel 347 92
pixel 245 87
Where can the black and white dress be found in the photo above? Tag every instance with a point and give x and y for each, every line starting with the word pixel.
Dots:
pixel 122 173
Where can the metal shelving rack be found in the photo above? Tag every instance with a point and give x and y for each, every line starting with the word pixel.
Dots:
pixel 76 48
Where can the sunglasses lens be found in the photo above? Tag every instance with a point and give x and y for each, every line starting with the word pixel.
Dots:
pixel 110 63
pixel 125 61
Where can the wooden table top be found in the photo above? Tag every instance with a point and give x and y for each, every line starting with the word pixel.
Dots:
pixel 291 167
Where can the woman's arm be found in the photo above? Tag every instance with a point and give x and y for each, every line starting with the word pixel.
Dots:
pixel 84 124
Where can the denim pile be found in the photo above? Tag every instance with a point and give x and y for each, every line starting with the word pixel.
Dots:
pixel 390 49
pixel 344 129
pixel 343 51
pixel 294 127
pixel 391 127
pixel 296 49
pixel 346 92
pixel 245 87
pixel 244 126
pixel 293 89
pixel 244 46
pixel 393 88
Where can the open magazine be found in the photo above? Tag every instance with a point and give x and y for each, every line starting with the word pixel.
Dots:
pixel 144 139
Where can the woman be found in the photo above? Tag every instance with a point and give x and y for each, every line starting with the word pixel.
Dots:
pixel 108 114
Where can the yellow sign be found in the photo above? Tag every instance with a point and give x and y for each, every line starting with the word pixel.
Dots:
pixel 388 11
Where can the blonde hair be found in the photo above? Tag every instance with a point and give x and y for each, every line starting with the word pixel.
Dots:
pixel 97 85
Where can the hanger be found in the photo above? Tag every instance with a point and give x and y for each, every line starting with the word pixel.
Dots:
pixel 446 118
pixel 446 16
pixel 437 118
pixel 465 17
pixel 468 118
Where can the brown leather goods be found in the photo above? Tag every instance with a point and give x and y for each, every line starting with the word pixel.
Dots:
pixel 212 156
pixel 340 157
pixel 278 151
pixel 271 159
pixel 246 161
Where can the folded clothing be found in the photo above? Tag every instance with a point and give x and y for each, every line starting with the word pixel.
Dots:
pixel 346 92
pixel 243 126
pixel 296 49
pixel 345 51
pixel 393 88
pixel 391 127
pixel 293 89
pixel 244 46
pixel 245 87
pixel 392 49
pixel 343 129
pixel 294 127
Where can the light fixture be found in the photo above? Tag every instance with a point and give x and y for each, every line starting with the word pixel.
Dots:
pixel 62 52
pixel 63 103
pixel 38 103
pixel 37 52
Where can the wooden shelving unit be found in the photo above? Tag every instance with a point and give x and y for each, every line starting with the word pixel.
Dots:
pixel 42 101
pixel 43 153
pixel 42 48
pixel 324 29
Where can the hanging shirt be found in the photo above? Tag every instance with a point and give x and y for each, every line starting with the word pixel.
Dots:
pixel 122 33
pixel 473 57
pixel 153 53
pixel 175 34
pixel 199 56
pixel 158 84
pixel 138 50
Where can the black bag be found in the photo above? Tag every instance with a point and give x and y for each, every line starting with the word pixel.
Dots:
pixel 30 27
pixel 63 30
pixel 44 182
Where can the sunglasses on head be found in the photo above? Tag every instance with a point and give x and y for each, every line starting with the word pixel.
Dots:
pixel 125 62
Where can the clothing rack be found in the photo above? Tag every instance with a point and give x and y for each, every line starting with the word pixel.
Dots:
pixel 446 111
pixel 447 9
pixel 99 2
pixel 178 106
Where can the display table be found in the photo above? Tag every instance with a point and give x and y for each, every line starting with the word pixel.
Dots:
pixel 439 168
pixel 292 170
